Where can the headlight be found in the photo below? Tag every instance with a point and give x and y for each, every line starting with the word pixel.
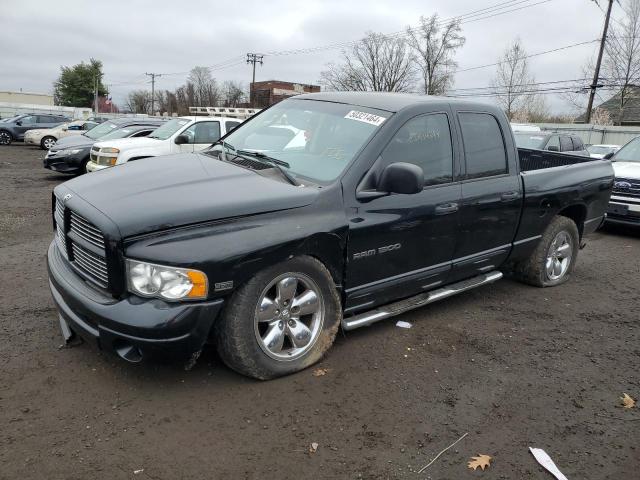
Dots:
pixel 68 152
pixel 170 283
pixel 109 150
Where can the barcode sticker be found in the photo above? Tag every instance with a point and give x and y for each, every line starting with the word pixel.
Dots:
pixel 365 117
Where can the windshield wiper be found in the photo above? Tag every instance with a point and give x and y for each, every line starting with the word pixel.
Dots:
pixel 274 162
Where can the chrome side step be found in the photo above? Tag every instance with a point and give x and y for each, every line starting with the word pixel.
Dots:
pixel 393 309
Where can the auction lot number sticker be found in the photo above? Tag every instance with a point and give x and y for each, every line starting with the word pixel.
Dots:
pixel 365 117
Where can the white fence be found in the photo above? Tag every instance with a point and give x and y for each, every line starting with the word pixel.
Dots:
pixel 595 134
pixel 9 109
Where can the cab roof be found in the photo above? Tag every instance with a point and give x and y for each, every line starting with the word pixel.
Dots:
pixel 388 101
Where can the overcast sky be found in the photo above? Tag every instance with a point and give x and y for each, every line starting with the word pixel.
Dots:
pixel 134 37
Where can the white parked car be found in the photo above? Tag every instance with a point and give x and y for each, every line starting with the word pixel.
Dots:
pixel 179 135
pixel 46 138
pixel 624 205
pixel 600 151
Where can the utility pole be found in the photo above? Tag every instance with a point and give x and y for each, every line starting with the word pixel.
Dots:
pixel 95 95
pixel 253 58
pixel 153 88
pixel 596 75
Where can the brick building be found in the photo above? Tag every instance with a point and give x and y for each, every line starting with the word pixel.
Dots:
pixel 264 94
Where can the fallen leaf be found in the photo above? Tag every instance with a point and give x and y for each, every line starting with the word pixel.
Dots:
pixel 627 401
pixel 482 461
pixel 321 372
pixel 313 448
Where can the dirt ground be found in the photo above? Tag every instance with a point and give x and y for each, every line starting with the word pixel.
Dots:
pixel 512 365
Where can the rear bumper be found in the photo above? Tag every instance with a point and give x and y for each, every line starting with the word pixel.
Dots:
pixel 153 328
pixel 31 141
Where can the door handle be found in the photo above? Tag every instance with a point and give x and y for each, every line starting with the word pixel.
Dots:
pixel 446 208
pixel 506 196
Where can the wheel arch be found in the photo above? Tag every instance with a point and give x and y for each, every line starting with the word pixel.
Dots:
pixel 576 212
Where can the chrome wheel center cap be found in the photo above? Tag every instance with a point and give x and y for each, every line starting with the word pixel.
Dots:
pixel 285 313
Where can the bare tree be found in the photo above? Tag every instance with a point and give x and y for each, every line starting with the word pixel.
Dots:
pixel 138 101
pixel 600 116
pixel 377 63
pixel 622 59
pixel 513 81
pixel 233 93
pixel 434 46
pixel 205 87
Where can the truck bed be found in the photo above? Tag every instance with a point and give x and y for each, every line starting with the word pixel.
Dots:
pixel 538 159
pixel 551 181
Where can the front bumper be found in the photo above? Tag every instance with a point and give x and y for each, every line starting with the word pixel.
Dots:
pixel 624 211
pixel 150 327
pixel 65 163
pixel 94 167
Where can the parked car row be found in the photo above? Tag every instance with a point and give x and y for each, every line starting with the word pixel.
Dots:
pixel 71 154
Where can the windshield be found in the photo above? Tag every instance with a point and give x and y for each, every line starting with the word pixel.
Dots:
pixel 119 133
pixel 317 140
pixel 629 153
pixel 527 140
pixel 169 128
pixel 101 130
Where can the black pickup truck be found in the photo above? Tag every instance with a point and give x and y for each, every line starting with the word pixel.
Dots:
pixel 324 211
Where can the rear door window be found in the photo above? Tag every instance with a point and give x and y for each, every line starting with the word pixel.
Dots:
pixel 484 146
pixel 577 143
pixel 231 125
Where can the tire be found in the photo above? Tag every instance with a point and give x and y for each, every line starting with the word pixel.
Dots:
pixel 5 137
pixel 551 263
pixel 262 336
pixel 47 142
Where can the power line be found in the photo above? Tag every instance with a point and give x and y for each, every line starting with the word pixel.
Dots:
pixel 527 56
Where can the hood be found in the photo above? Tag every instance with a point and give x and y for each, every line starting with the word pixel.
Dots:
pixel 629 170
pixel 175 190
pixel 73 141
pixel 126 143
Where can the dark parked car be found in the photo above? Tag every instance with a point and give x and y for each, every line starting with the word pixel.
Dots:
pixel 554 142
pixel 14 128
pixel 325 210
pixel 71 154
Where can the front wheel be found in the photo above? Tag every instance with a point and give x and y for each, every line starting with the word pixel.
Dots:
pixel 553 260
pixel 5 137
pixel 47 142
pixel 281 321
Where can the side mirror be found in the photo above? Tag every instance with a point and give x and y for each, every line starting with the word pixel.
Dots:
pixel 64 129
pixel 608 156
pixel 553 148
pixel 400 177
pixel 181 140
pixel 19 123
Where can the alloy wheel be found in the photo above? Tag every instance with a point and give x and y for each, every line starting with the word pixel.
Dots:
pixel 559 256
pixel 289 316
pixel 5 138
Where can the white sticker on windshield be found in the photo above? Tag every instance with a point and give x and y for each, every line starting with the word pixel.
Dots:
pixel 365 117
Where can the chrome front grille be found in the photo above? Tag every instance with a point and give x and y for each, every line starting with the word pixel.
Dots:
pixel 626 187
pixel 82 244
pixel 91 264
pixel 84 229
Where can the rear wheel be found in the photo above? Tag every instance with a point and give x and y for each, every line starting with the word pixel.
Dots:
pixel 553 260
pixel 47 142
pixel 5 137
pixel 281 321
